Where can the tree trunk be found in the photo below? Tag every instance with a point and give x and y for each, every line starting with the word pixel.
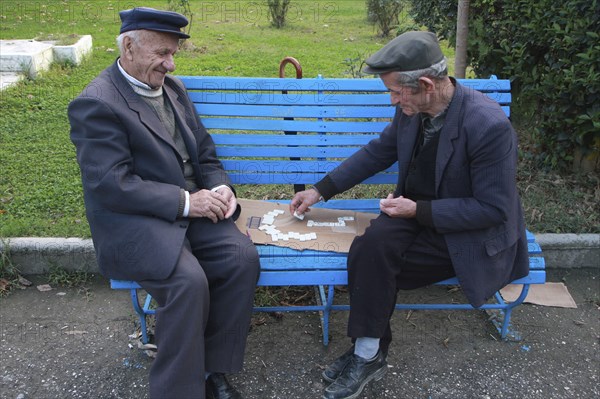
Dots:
pixel 462 34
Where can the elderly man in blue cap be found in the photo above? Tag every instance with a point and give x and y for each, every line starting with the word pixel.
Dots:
pixel 161 209
pixel 455 209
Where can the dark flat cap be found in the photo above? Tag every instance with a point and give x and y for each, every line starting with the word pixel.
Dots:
pixel 152 19
pixel 408 52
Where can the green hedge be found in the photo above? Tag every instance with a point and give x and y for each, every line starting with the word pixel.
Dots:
pixel 550 49
pixel 384 14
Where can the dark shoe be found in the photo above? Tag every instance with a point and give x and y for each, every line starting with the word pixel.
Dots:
pixel 333 371
pixel 217 387
pixel 357 373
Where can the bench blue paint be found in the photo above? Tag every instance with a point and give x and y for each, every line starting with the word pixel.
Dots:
pixel 324 121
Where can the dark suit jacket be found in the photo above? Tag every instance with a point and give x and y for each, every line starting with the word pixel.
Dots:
pixel 132 174
pixel 477 210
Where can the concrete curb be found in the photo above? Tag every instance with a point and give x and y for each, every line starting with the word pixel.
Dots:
pixel 570 250
pixel 36 255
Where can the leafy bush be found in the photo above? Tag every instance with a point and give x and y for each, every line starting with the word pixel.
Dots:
pixel 278 11
pixel 554 58
pixel 384 13
pixel 550 50
pixel 183 7
pixel 437 16
pixel 371 15
pixel 355 66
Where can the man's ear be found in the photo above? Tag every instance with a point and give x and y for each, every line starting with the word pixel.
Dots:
pixel 127 48
pixel 426 84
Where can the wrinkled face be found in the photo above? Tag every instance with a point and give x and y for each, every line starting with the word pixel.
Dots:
pixel 150 57
pixel 411 100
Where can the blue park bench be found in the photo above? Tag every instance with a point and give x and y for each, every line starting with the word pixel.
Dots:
pixel 293 131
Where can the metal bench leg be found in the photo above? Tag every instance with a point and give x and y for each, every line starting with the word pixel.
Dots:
pixel 506 311
pixel 330 295
pixel 147 311
pixel 141 313
pixel 326 302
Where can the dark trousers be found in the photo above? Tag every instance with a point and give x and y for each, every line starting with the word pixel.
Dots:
pixel 204 309
pixel 393 254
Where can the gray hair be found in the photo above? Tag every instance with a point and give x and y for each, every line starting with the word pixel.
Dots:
pixel 134 35
pixel 411 78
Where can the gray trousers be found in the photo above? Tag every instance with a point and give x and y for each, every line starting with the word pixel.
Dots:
pixel 204 309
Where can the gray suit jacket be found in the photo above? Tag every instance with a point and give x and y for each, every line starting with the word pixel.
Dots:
pixel 132 174
pixel 477 210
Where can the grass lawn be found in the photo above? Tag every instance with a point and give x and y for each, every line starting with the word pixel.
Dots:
pixel 40 189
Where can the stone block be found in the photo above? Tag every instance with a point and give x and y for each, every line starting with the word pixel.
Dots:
pixel 74 53
pixel 27 56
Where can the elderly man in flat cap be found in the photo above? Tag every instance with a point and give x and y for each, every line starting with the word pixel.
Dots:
pixel 454 212
pixel 161 209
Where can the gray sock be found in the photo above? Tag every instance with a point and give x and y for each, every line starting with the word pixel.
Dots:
pixel 366 347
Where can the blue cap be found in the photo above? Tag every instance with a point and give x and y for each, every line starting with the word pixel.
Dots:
pixel 152 19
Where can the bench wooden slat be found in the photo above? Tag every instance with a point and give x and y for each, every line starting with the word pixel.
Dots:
pixel 295 125
pixel 280 264
pixel 304 152
pixel 317 84
pixel 534 248
pixel 277 99
pixel 334 140
pixel 322 99
pixel 305 277
pixel 287 167
pixel 280 84
pixel 313 259
pixel 487 85
pixel 338 262
pixel 537 263
pixel 292 256
pixel 293 111
pixel 329 277
pixel 298 178
pixel 340 277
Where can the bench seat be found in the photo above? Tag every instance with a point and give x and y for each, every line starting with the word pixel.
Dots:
pixel 292 132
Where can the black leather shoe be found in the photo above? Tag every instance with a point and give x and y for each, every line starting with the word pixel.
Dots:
pixel 333 371
pixel 217 387
pixel 353 378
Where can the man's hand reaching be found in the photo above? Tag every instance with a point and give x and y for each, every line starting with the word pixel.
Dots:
pixel 398 207
pixel 302 200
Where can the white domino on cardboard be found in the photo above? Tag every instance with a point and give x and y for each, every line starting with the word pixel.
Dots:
pixel 298 216
pixel 268 220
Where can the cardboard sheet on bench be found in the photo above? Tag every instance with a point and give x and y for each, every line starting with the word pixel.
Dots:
pixel 329 238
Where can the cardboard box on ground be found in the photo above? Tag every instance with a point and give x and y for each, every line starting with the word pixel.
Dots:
pixel 334 229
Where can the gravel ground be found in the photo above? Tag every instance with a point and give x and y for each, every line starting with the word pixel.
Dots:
pixel 74 343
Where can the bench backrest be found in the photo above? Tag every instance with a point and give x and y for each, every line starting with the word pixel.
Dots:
pixel 293 131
